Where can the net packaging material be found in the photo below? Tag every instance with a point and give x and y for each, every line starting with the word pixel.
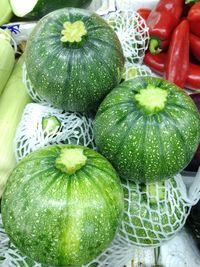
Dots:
pixel 152 214
pixel 155 212
pixel 132 33
pixel 42 125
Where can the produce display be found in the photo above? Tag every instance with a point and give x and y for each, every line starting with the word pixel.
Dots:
pixel 36 9
pixel 89 171
pixel 148 128
pixel 75 190
pixel 89 52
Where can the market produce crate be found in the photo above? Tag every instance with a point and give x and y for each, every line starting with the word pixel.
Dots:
pixel 181 250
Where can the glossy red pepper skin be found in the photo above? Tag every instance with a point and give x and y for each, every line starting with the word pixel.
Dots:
pixel 194 18
pixel 161 22
pixel 177 62
pixel 193 77
pixel 195 45
pixel 144 13
pixel 157 64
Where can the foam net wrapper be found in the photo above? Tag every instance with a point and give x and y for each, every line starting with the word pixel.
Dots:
pixel 134 70
pixel 72 128
pixel 154 214
pixel 132 32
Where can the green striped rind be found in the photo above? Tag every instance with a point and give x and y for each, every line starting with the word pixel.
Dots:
pixel 147 223
pixel 71 78
pixel 145 147
pixel 61 219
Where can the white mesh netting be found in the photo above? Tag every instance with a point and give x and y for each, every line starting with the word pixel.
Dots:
pixel 42 125
pixel 134 70
pixel 155 212
pixel 132 32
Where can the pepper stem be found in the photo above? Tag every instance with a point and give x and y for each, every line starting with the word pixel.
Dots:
pixel 154 46
pixel 151 99
pixel 70 160
pixel 73 32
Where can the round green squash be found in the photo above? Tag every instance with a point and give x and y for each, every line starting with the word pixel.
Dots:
pixel 36 9
pixel 62 205
pixel 73 59
pixel 153 212
pixel 148 128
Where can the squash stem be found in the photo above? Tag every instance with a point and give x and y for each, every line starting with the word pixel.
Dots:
pixel 151 99
pixel 73 32
pixel 70 160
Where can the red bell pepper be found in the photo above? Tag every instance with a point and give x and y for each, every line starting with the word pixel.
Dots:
pixel 161 22
pixel 177 62
pixel 194 19
pixel 144 13
pixel 193 77
pixel 195 45
pixel 157 64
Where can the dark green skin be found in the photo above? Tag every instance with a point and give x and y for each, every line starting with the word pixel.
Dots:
pixel 60 219
pixel 75 78
pixel 145 147
pixel 147 224
pixel 43 7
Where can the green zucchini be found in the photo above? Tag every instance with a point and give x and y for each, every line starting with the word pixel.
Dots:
pixel 148 128
pixel 71 71
pixel 63 205
pixel 153 212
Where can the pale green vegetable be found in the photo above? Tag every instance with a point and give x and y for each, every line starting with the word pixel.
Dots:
pixel 50 124
pixel 12 102
pixel 7 57
pixel 5 11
